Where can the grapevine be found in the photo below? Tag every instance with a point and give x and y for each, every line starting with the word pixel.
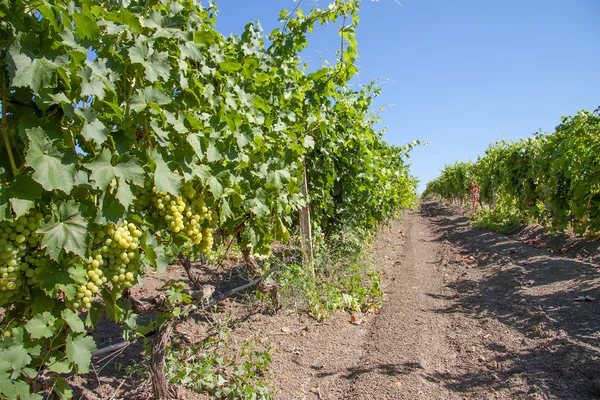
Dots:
pixel 131 134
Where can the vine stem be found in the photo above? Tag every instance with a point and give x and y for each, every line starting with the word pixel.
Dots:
pixel 11 158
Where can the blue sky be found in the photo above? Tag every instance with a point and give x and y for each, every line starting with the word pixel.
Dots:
pixel 461 74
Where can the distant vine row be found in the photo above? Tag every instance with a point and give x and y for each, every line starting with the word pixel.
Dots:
pixel 550 179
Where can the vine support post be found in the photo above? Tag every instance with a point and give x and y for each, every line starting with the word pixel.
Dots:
pixel 305 228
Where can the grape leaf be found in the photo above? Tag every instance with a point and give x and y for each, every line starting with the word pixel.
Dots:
pixel 41 326
pixel 194 140
pixel 158 66
pixel 51 169
pixel 73 320
pixel 60 367
pixel 65 231
pixel 14 357
pixel 94 130
pixel 215 186
pixel 155 253
pixel 25 71
pixel 257 206
pixel 165 180
pixel 79 351
pixel 85 26
pixel 148 95
pixel 63 389
pixel 91 85
pixel 225 212
pixel 278 178
pixel 23 192
pixel 103 172
pixel 111 210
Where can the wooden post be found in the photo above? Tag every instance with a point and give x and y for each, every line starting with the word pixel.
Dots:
pixel 305 230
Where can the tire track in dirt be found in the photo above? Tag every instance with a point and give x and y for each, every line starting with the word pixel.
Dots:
pixel 406 345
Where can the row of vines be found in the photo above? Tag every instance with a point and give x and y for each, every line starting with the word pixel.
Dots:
pixel 133 133
pixel 551 179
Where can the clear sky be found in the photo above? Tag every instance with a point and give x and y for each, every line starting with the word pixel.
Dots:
pixel 461 74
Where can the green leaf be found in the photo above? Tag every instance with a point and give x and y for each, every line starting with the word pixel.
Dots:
pixel 215 186
pixel 194 140
pixel 165 180
pixel 60 367
pixel 35 73
pixel 212 154
pixel 51 169
pixel 86 27
pixel 110 210
pixel 257 206
pixel 308 142
pixel 63 389
pixel 73 320
pixel 278 178
pixel 281 232
pixel 65 231
pixel 79 351
pixel 146 96
pixel 155 253
pixel 158 67
pixel 225 212
pixel 113 311
pixel 94 130
pixel 15 357
pixel 41 326
pixel 23 192
pixel 18 389
pixel 230 66
pixel 103 173
pixel 91 85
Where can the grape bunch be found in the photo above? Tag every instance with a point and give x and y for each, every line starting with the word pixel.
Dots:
pixel 18 238
pixel 115 257
pixel 187 216
pixel 143 196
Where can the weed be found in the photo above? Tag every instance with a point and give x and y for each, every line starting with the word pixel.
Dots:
pixel 204 368
pixel 344 279
pixel 500 218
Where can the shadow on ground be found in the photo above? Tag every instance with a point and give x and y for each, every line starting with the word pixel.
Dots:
pixel 533 291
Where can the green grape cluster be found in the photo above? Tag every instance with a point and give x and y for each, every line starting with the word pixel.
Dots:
pixel 18 238
pixel 115 257
pixel 187 215
pixel 143 196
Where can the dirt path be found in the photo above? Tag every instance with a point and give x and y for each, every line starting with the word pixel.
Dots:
pixel 469 314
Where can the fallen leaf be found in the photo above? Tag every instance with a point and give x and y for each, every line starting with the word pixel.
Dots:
pixel 356 321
